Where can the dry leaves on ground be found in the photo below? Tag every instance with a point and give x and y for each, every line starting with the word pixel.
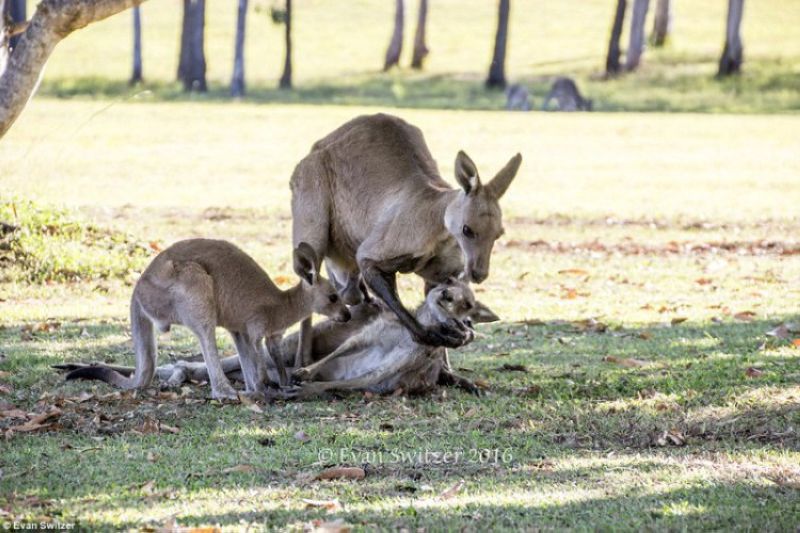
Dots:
pixel 626 361
pixel 341 472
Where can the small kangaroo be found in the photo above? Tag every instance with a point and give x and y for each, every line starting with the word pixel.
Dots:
pixel 202 284
pixel 518 98
pixel 383 355
pixel 369 200
pixel 567 96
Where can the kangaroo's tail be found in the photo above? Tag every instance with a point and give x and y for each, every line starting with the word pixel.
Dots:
pixel 144 345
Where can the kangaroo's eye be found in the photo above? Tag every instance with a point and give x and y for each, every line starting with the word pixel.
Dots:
pixel 446 296
pixel 467 231
pixel 333 298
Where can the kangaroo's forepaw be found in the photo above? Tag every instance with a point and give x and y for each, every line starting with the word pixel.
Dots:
pixel 302 374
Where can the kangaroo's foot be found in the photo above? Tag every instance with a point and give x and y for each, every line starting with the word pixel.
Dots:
pixel 305 373
pixel 224 392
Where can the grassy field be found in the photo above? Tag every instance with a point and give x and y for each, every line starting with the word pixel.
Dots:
pixel 631 384
pixel 619 228
pixel 339 49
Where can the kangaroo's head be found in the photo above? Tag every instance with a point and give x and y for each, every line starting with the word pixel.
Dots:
pixel 474 217
pixel 453 299
pixel 325 299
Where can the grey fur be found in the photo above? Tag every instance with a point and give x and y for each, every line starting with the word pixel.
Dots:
pixel 566 94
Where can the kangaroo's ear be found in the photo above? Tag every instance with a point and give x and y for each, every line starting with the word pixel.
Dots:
pixel 305 262
pixel 467 173
pixel 480 314
pixel 499 184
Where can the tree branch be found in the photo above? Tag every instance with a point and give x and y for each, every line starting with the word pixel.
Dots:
pixel 52 21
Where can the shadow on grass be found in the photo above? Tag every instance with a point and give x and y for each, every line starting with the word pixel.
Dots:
pixel 678 84
pixel 702 505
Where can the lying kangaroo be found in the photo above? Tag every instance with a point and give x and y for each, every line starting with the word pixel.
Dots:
pixel 567 96
pixel 372 351
pixel 383 355
pixel 369 199
pixel 202 284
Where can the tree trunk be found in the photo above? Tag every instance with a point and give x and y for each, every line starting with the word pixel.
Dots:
pixel 497 70
pixel 732 54
pixel 396 43
pixel 612 59
pixel 52 21
pixel 420 47
pixel 18 12
pixel 136 74
pixel 662 23
pixel 237 80
pixel 286 77
pixel 636 40
pixel 192 63
pixel 5 35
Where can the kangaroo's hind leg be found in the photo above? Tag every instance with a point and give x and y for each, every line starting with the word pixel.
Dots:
pixel 195 307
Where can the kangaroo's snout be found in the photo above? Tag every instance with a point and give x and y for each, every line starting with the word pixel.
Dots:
pixel 478 276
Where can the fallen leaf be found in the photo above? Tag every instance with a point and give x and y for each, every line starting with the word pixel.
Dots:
pixel 82 397
pixel 39 419
pixel 301 436
pixel 796 343
pixel 239 469
pixel 569 294
pixel 745 316
pixel 753 372
pixel 155 246
pixel 452 491
pixel 282 280
pixel 4 374
pixel 13 413
pixel 255 408
pixel 627 362
pixel 481 383
pixel 703 281
pixel 168 429
pixel 341 472
pixel 5 389
pixel 645 335
pixel 574 272
pixel 678 320
pixel 329 505
pixel 150 425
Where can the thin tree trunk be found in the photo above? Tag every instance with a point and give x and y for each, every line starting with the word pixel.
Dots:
pixel 286 77
pixel 18 12
pixel 420 47
pixel 396 43
pixel 136 75
pixel 192 63
pixel 612 59
pixel 732 54
pixel 497 70
pixel 636 40
pixel 237 80
pixel 5 35
pixel 662 23
pixel 52 21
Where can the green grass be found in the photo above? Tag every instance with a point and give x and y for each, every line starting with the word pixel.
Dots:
pixel 664 216
pixel 339 49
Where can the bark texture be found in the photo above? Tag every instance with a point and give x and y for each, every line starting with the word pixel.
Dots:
pixel 662 23
pixel 497 70
pixel 192 63
pixel 52 21
pixel 420 46
pixel 286 77
pixel 237 79
pixel 636 42
pixel 733 53
pixel 136 72
pixel 612 59
pixel 396 43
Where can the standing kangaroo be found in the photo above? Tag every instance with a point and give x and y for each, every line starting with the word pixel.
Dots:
pixel 567 96
pixel 369 199
pixel 202 284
